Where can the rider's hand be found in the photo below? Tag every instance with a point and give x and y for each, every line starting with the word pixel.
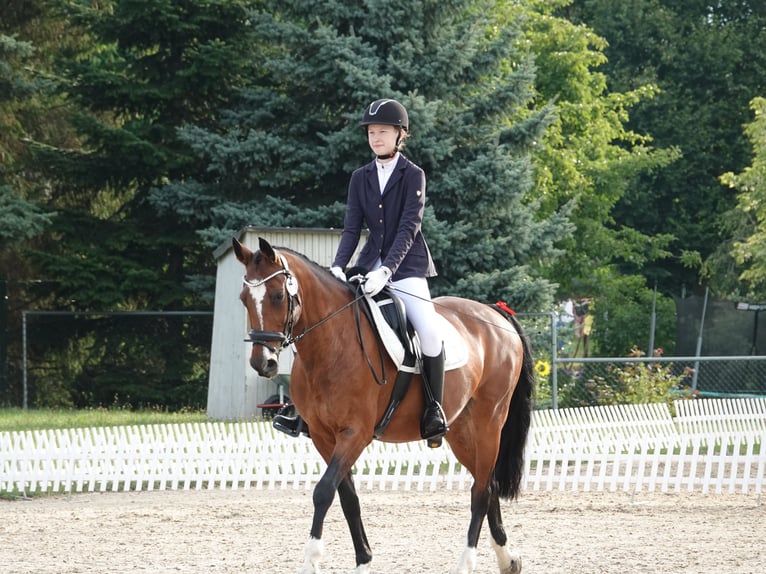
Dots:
pixel 338 272
pixel 376 280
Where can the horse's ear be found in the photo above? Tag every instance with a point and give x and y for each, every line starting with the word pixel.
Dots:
pixel 267 250
pixel 243 253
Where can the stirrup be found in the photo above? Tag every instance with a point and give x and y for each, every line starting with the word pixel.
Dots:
pixel 434 438
pixel 290 426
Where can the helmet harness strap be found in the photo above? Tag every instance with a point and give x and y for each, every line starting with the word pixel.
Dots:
pixel 396 146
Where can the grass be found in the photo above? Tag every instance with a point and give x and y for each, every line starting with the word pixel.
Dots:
pixel 16 419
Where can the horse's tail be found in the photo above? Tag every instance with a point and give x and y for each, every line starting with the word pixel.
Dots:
pixel 510 457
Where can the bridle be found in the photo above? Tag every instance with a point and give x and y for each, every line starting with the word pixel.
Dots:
pixel 284 338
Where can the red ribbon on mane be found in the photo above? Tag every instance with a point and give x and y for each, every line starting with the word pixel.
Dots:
pixel 502 305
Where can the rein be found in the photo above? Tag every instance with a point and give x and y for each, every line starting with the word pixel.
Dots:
pixel 286 337
pixel 307 330
pixel 451 310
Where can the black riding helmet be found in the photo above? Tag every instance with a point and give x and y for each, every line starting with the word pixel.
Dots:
pixel 386 112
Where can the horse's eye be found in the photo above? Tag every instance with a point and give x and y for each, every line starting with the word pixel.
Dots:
pixel 278 296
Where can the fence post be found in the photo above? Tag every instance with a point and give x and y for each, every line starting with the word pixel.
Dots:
pixel 699 342
pixel 4 334
pixel 554 362
pixel 25 399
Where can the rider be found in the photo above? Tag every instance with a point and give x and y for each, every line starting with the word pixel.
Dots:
pixel 388 196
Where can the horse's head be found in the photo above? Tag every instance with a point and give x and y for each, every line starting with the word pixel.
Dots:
pixel 270 295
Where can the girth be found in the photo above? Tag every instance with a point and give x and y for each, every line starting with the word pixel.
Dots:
pixel 393 311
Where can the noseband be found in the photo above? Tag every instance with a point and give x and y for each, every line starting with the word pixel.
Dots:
pixel 284 338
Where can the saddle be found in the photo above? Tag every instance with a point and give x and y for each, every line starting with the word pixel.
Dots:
pixel 394 313
pixel 388 315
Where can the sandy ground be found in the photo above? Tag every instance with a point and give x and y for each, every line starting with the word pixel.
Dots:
pixel 249 531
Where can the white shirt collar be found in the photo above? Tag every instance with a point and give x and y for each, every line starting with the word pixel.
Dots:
pixel 388 166
pixel 385 170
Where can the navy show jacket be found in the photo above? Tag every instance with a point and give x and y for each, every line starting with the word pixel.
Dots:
pixel 393 219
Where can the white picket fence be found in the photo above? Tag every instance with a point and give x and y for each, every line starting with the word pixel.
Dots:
pixel 711 445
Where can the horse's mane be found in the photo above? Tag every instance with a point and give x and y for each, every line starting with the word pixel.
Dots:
pixel 320 272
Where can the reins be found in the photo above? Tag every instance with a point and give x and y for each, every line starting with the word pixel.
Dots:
pixel 359 295
pixel 286 338
pixel 455 311
pixel 290 340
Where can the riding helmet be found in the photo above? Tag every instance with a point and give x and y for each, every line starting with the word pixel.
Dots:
pixel 386 112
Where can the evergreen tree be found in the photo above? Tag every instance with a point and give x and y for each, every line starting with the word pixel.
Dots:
pixel 283 155
pixel 146 69
pixel 138 70
pixel 22 218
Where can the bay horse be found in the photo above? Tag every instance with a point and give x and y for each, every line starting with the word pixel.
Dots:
pixel 291 300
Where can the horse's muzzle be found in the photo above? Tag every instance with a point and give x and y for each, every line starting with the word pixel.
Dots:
pixel 265 366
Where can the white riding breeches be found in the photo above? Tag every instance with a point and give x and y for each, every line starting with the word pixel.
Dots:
pixel 414 293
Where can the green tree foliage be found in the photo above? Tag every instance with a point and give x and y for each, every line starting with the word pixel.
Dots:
pixel 749 246
pixel 588 158
pixel 23 95
pixel 283 154
pixel 144 70
pixel 22 218
pixel 708 61
pixel 137 72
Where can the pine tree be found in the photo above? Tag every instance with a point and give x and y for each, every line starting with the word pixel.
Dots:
pixel 137 72
pixel 283 155
pixel 144 70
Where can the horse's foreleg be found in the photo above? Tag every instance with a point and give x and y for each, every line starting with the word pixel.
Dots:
pixel 337 478
pixel 509 563
pixel 324 494
pixel 349 501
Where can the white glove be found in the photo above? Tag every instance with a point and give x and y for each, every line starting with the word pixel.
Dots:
pixel 338 272
pixel 374 281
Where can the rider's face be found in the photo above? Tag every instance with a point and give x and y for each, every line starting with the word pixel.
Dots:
pixel 382 138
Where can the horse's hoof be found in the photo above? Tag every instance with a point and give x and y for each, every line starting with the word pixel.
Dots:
pixel 312 554
pixel 514 567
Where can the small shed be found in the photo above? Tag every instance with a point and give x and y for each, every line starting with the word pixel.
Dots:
pixel 235 389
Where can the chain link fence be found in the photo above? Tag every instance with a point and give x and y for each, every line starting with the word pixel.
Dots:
pixel 83 360
pixel 564 382
pixel 131 359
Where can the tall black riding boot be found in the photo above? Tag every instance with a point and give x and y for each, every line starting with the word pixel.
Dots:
pixel 293 426
pixel 434 423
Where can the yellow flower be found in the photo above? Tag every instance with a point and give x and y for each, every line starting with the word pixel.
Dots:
pixel 543 368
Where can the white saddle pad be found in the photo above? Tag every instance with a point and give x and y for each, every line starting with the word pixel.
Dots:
pixel 455 348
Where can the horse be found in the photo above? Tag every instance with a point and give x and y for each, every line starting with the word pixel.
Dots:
pixel 337 388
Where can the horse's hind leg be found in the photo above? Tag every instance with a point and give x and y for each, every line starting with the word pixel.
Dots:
pixel 485 502
pixel 508 563
pixel 480 503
